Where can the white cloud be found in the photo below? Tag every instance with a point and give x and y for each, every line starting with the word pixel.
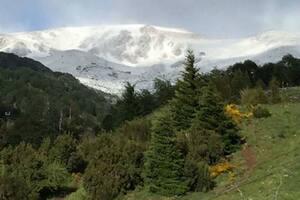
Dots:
pixel 216 18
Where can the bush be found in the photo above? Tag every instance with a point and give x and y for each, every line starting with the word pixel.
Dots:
pixel 27 165
pixel 253 96
pixel 260 112
pixel 137 130
pixel 115 165
pixel 15 188
pixel 64 151
pixel 103 181
pixel 198 176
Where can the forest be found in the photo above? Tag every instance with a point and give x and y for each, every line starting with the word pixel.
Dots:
pixel 62 140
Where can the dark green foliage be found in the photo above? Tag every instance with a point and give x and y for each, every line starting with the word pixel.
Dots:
pixel 186 97
pixel 222 82
pixel 201 147
pixel 239 81
pixel 33 168
pixel 14 188
pixel 239 76
pixel 14 62
pixel 164 91
pixel 210 115
pixel 171 151
pixel 134 103
pixel 253 96
pixel 260 112
pixel 44 103
pixel 146 103
pixel 198 175
pixel 164 165
pixel 204 145
pixel 137 130
pixel 114 166
pixel 63 150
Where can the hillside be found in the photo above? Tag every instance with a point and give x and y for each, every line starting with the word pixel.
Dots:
pixel 274 143
pixel 36 102
pixel 188 141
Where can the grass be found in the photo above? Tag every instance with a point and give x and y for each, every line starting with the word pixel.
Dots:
pixel 275 142
pixel 80 194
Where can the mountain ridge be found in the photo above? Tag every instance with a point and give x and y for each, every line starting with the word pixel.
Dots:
pixel 105 57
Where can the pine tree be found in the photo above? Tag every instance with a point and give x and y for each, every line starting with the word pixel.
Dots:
pixel 210 115
pixel 164 166
pixel 186 95
pixel 126 108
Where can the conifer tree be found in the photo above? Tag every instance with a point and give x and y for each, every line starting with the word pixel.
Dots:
pixel 126 108
pixel 210 115
pixel 164 165
pixel 186 95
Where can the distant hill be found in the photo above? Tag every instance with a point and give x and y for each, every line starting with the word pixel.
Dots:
pixel 36 102
pixel 14 62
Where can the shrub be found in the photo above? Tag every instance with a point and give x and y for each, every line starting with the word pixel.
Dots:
pixel 253 96
pixel 237 116
pixel 137 130
pixel 15 188
pixel 260 112
pixel 198 176
pixel 103 181
pixel 115 165
pixel 219 168
pixel 29 166
pixel 64 151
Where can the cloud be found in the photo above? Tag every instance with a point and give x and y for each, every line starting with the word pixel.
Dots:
pixel 214 18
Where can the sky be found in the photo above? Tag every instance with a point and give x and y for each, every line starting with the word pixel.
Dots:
pixel 211 18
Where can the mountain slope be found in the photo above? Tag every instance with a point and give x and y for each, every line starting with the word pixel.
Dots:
pixel 105 57
pixel 36 103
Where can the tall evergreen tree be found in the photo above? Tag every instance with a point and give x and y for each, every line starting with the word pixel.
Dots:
pixel 186 95
pixel 126 108
pixel 164 166
pixel 210 115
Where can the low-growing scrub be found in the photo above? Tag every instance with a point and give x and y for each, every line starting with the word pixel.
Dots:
pixel 261 112
pixel 253 96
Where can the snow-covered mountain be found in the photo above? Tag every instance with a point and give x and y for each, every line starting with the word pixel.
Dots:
pixel 105 57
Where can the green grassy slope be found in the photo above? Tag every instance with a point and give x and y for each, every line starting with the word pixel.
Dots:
pixel 275 144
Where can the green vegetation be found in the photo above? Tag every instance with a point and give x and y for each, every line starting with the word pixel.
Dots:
pixel 186 98
pixel 40 103
pixel 135 104
pixel 260 112
pixel 164 166
pixel 275 143
pixel 177 142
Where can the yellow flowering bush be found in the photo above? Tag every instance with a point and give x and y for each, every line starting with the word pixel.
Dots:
pixel 222 167
pixel 233 111
pixel 219 168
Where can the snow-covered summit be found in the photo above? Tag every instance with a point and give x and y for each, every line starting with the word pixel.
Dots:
pixel 133 45
pixel 106 56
